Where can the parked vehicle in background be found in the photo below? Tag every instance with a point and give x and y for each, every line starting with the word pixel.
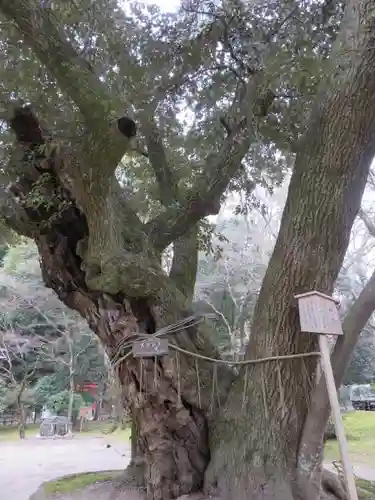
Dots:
pixel 367 403
pixel 362 397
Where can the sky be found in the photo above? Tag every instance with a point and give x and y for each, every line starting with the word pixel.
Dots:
pixel 165 5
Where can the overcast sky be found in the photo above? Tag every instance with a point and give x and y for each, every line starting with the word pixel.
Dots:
pixel 166 5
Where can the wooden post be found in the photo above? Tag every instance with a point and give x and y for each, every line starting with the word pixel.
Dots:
pixel 318 314
pixel 337 419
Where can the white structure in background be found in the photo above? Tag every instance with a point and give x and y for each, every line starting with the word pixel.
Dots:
pixel 45 413
pixel 359 391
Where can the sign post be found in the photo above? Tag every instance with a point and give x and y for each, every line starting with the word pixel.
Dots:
pixel 150 347
pixel 318 314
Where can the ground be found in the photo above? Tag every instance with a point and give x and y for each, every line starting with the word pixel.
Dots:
pixel 360 433
pixel 25 465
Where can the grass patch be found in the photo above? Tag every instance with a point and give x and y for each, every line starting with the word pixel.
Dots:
pixel 69 484
pixel 91 429
pixel 366 489
pixel 360 433
pixel 11 433
pixel 94 429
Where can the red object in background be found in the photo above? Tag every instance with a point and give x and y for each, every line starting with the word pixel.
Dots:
pixel 90 387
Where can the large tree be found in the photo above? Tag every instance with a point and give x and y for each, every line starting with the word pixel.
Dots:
pixel 298 76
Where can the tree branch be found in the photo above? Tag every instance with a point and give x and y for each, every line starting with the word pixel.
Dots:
pixel 205 196
pixel 168 190
pixel 185 263
pixel 193 54
pixel 367 222
pixel 353 324
pixel 42 33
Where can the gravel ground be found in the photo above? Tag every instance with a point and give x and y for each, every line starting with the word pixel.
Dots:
pixel 25 465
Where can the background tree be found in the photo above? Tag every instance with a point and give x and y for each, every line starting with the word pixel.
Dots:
pixel 17 372
pixel 69 354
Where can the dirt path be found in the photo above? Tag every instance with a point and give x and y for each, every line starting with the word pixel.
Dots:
pixel 25 465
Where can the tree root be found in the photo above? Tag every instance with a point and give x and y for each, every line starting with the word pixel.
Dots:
pixel 133 476
pixel 332 487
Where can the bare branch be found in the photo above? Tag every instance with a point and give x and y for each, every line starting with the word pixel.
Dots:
pixel 370 225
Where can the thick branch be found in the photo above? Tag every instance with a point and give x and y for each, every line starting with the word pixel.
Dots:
pixel 185 264
pixel 156 153
pixel 205 196
pixel 14 214
pixel 73 74
pixel 319 412
pixel 42 33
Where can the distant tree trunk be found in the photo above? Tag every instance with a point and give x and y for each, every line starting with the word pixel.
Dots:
pixel 22 422
pixel 21 411
pixel 71 379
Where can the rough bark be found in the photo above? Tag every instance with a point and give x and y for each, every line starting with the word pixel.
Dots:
pixel 311 444
pixel 173 432
pixel 324 197
pixel 98 256
pixel 185 264
pixel 172 426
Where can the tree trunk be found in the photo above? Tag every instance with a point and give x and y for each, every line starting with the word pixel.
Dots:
pixel 71 380
pixel 22 422
pixel 137 463
pixel 173 431
pixel 324 197
pixel 21 411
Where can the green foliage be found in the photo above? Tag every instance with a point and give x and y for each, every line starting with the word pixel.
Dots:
pixel 58 403
pixel 70 484
pixel 138 48
pixel 28 398
pixel 48 386
pixel 361 369
pixel 21 260
pixel 366 489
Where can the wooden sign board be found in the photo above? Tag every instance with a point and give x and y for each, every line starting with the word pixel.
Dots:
pixel 150 347
pixel 318 314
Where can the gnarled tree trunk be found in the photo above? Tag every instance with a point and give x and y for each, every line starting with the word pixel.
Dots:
pixel 172 429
